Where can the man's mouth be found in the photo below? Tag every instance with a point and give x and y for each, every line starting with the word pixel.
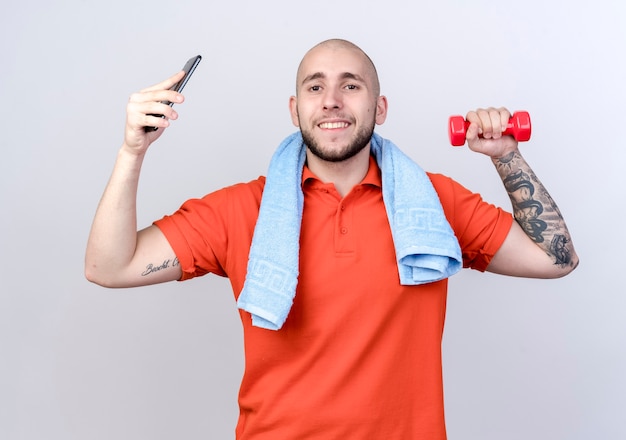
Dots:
pixel 333 125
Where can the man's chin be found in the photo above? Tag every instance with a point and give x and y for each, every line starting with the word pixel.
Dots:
pixel 336 150
pixel 335 153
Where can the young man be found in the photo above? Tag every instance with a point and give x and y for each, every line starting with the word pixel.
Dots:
pixel 359 355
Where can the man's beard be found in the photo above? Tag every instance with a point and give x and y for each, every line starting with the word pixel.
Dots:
pixel 360 141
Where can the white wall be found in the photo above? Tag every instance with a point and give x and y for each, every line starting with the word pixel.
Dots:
pixel 523 358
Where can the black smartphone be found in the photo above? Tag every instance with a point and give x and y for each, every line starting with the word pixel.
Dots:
pixel 189 68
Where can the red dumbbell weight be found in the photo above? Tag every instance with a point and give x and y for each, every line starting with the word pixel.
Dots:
pixel 518 127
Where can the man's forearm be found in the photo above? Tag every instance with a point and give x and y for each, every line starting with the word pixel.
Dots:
pixel 535 210
pixel 113 235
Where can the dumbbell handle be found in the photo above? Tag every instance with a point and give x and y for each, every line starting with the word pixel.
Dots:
pixel 518 126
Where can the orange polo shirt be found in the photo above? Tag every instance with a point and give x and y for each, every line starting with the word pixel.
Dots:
pixel 359 356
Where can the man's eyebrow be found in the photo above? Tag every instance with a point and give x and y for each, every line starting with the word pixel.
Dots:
pixel 322 75
pixel 354 76
pixel 313 77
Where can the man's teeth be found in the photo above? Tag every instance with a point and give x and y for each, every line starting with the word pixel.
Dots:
pixel 333 125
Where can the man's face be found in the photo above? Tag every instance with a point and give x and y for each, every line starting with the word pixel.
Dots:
pixel 337 105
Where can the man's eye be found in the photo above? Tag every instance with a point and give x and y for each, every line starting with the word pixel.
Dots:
pixel 315 88
pixel 351 87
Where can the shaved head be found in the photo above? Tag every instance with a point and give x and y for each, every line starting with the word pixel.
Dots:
pixel 336 44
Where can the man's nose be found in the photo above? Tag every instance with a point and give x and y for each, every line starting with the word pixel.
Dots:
pixel 332 99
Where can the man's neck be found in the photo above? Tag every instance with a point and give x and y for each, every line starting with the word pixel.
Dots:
pixel 345 174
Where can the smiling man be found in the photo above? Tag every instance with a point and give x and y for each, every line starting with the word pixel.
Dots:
pixel 358 354
pixel 337 105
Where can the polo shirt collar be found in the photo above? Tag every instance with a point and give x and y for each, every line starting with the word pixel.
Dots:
pixel 372 177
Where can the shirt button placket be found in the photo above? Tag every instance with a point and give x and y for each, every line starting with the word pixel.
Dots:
pixel 344 240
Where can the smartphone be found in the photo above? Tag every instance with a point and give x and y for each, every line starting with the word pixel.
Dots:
pixel 188 68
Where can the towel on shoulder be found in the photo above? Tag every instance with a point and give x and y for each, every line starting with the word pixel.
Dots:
pixel 425 245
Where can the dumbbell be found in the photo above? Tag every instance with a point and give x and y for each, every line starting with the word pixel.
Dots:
pixel 518 127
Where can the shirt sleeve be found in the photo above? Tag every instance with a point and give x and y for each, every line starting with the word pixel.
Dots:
pixel 208 234
pixel 480 227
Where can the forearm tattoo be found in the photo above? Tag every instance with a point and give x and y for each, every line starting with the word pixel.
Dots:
pixel 534 209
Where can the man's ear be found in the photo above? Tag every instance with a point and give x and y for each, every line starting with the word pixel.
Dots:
pixel 293 111
pixel 381 110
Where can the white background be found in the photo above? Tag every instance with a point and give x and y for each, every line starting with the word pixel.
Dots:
pixel 523 359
